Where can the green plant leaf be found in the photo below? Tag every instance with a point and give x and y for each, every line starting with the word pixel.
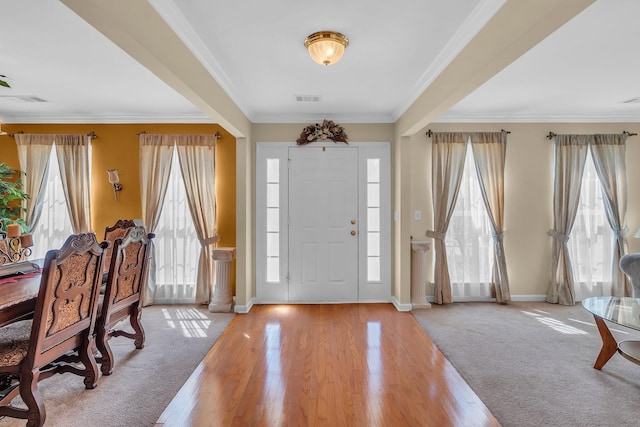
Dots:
pixel 3 83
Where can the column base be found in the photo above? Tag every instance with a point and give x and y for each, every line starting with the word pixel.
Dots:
pixel 221 308
pixel 420 305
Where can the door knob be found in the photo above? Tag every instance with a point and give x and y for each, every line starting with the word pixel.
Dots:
pixel 353 221
pixel 353 232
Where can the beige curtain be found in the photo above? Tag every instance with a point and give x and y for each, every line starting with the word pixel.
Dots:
pixel 608 152
pixel 74 163
pixel 570 153
pixel 156 152
pixel 196 154
pixel 447 159
pixel 33 154
pixel 489 152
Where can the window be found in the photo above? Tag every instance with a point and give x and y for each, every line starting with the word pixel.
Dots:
pixel 591 241
pixel 54 225
pixel 177 245
pixel 469 239
pixel 273 220
pixel 373 220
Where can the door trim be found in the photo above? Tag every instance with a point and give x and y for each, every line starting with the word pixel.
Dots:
pixel 276 291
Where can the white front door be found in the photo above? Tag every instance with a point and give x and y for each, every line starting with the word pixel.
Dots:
pixel 323 224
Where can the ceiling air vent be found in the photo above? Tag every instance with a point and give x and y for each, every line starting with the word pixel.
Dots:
pixel 307 98
pixel 23 98
pixel 635 100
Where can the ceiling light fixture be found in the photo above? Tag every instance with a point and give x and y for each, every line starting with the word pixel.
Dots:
pixel 326 47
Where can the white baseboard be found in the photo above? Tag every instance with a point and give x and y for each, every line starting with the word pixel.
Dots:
pixel 244 309
pixel 400 307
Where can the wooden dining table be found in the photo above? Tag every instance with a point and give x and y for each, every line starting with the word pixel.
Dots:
pixel 18 298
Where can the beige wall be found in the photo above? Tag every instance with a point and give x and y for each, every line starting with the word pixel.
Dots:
pixel 528 189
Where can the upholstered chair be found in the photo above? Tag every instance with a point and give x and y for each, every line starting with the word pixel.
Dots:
pixel 60 337
pixel 126 279
pixel 630 265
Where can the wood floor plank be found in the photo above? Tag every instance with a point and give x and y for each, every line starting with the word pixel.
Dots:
pixel 325 365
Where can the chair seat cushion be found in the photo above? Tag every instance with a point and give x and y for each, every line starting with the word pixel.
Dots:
pixel 14 342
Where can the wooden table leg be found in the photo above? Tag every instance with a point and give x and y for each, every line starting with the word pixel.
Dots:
pixel 609 344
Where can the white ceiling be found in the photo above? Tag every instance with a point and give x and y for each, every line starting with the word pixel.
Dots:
pixel 254 50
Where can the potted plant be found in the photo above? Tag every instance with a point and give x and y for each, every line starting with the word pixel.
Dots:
pixel 11 197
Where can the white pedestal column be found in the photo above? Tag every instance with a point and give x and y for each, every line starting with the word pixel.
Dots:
pixel 419 250
pixel 222 300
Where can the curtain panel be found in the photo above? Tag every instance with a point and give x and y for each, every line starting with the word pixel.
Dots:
pixel 74 163
pixel 448 155
pixel 33 155
pixel 196 154
pixel 156 152
pixel 489 154
pixel 608 152
pixel 570 153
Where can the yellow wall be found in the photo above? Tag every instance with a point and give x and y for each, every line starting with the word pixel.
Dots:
pixel 117 147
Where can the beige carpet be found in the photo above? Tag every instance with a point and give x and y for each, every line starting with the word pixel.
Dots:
pixel 144 381
pixel 532 363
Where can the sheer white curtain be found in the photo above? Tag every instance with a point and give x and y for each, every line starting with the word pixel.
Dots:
pixel 489 153
pixel 469 240
pixel 177 244
pixel 156 152
pixel 54 225
pixel 591 242
pixel 608 152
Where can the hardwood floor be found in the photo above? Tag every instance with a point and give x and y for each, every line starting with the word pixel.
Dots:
pixel 325 365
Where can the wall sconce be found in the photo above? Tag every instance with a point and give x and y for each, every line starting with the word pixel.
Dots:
pixel 114 179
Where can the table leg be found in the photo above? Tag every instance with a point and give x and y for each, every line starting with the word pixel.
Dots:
pixel 609 344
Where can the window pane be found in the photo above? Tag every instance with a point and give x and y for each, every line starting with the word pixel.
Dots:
pixel 273 270
pixel 469 238
pixel 273 170
pixel 591 242
pixel 373 195
pixel 55 225
pixel 273 219
pixel 273 195
pixel 177 245
pixel 273 244
pixel 373 244
pixel 373 219
pixel 373 269
pixel 373 170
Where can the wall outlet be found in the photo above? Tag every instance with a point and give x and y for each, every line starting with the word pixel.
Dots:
pixel 417 215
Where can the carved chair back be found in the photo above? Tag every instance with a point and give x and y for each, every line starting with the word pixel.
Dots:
pixel 116 231
pixel 125 282
pixel 62 329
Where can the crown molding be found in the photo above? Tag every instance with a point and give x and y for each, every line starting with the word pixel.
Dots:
pixel 538 118
pixel 467 31
pixel 107 119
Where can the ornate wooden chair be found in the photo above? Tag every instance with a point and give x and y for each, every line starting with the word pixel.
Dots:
pixel 116 231
pixel 61 332
pixel 126 279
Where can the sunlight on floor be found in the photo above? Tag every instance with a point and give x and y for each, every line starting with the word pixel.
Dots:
pixel 555 324
pixel 193 323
